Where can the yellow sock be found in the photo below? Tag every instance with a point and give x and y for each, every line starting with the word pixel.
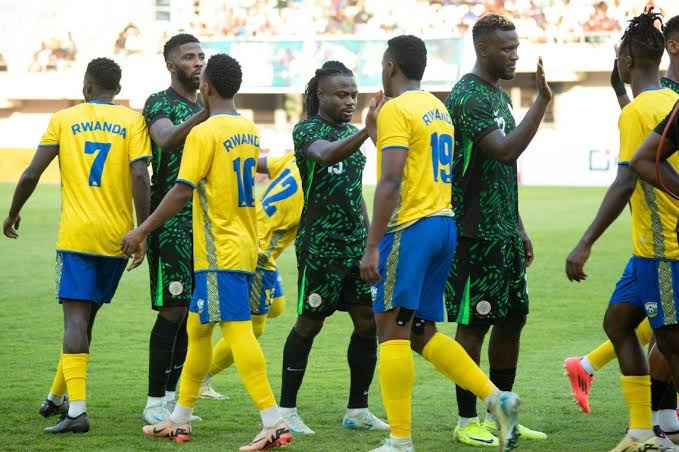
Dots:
pixel 74 367
pixel 397 374
pixel 250 362
pixel 198 357
pixel 59 384
pixel 644 331
pixel 277 307
pixel 636 391
pixel 605 353
pixel 452 360
pixel 602 355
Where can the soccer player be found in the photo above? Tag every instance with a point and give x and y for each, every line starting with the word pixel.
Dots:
pixel 330 240
pixel 581 371
pixel 170 115
pixel 103 152
pixel 411 243
pixel 487 282
pixel 217 171
pixel 278 211
pixel 638 293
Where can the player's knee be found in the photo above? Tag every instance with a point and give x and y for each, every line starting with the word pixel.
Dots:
pixel 277 307
pixel 174 314
pixel 366 327
pixel 667 342
pixel 616 332
pixel 308 326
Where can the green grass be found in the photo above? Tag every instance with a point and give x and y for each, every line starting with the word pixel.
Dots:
pixel 565 320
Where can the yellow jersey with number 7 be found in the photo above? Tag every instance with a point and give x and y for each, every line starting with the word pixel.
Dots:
pixel 219 162
pixel 417 122
pixel 97 143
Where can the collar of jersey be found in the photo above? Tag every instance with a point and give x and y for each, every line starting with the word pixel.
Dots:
pixel 98 102
pixel 224 113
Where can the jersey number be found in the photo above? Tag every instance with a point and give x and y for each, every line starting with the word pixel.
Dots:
pixel 246 181
pixel 442 157
pixel 97 169
pixel 288 186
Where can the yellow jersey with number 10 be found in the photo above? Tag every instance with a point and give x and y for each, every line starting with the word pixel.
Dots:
pixel 97 142
pixel 654 212
pixel 279 208
pixel 219 162
pixel 418 122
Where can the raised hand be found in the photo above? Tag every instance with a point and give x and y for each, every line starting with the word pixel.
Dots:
pixel 544 91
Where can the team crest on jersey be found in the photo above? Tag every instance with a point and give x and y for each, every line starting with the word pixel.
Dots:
pixel 651 309
pixel 314 300
pixel 483 307
pixel 176 288
pixel 200 304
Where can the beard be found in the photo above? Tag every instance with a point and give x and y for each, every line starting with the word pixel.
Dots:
pixel 187 81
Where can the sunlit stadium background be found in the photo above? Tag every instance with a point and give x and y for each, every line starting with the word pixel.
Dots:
pixel 45 45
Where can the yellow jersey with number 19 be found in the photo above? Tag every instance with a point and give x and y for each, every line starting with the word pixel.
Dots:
pixel 97 143
pixel 219 162
pixel 279 208
pixel 654 212
pixel 419 123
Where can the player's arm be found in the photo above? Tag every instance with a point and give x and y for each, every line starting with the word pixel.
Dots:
pixel 169 136
pixel 141 194
pixel 615 200
pixel 386 194
pixel 27 182
pixel 508 148
pixel 619 86
pixel 174 201
pixel 262 166
pixel 643 161
pixel 527 244
pixel 330 152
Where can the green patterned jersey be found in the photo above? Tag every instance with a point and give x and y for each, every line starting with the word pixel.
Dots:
pixel 671 84
pixel 167 104
pixel 332 222
pixel 485 190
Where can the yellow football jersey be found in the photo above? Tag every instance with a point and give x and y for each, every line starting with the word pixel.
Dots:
pixel 219 162
pixel 279 208
pixel 654 213
pixel 97 142
pixel 418 122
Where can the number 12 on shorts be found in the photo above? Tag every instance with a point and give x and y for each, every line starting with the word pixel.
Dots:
pixel 442 157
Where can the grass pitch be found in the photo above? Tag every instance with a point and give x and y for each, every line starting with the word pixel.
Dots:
pixel 565 320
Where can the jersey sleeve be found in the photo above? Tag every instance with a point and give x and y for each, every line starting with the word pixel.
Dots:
pixel 52 134
pixel 140 142
pixel 673 131
pixel 631 130
pixel 305 133
pixel 196 158
pixel 393 128
pixel 155 109
pixel 473 117
pixel 275 164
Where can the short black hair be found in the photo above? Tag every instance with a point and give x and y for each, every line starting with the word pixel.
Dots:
pixel 176 41
pixel 490 23
pixel 105 73
pixel 329 69
pixel 672 28
pixel 643 38
pixel 224 73
pixel 409 54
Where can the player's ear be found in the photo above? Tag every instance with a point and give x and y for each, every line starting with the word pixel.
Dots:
pixel 672 47
pixel 482 49
pixel 118 89
pixel 169 65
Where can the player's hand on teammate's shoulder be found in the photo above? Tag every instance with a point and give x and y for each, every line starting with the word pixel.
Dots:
pixel 10 226
pixel 544 91
pixel 575 263
pixel 369 265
